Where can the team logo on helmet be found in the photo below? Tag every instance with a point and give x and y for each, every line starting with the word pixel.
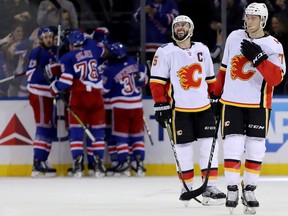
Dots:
pixel 237 68
pixel 188 77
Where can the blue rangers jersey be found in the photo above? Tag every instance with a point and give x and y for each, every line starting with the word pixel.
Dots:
pixel 119 81
pixel 79 69
pixel 38 59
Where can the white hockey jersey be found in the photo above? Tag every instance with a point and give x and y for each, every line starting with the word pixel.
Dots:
pixel 188 71
pixel 244 84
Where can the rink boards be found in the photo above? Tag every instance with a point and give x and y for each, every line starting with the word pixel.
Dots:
pixel 17 130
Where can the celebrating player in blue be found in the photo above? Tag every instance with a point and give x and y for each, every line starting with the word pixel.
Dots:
pixel 120 80
pixel 80 76
pixel 41 101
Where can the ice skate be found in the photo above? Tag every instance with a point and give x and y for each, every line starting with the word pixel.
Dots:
pixel 111 171
pixel 78 167
pixel 138 168
pixel 249 200
pixel 232 198
pixel 213 197
pixel 42 169
pixel 70 171
pixel 99 168
pixel 122 169
pixel 185 202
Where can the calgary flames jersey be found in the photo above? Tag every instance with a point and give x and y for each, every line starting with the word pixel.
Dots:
pixel 244 84
pixel 187 71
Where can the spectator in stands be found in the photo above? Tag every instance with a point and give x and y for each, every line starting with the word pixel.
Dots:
pixel 55 12
pixel 234 13
pixel 15 11
pixel 281 7
pixel 279 29
pixel 200 11
pixel 14 59
pixel 159 16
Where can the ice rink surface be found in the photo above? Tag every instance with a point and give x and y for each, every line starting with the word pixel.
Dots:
pixel 124 196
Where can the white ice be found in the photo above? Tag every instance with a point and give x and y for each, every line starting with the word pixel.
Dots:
pixel 124 196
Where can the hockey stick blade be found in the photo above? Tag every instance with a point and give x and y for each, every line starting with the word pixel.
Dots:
pixel 194 193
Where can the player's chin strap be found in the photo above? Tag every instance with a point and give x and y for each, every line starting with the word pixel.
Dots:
pixel 180 41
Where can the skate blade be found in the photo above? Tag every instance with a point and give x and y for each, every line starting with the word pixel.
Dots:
pixel 186 203
pixel 99 174
pixel 78 174
pixel 207 201
pixel 249 210
pixel 50 175
pixel 126 173
pixel 113 174
pixel 231 209
pixel 37 174
pixel 91 173
pixel 139 174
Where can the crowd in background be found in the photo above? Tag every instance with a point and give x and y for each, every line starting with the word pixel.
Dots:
pixel 21 18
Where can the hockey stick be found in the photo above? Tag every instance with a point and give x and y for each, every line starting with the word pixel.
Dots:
pixel 12 77
pixel 86 130
pixel 169 131
pixel 194 193
pixel 148 63
pixel 148 131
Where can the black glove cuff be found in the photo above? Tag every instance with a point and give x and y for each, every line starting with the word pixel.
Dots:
pixel 162 106
pixel 259 58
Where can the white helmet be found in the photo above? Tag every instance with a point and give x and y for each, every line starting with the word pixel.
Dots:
pixel 259 9
pixel 182 18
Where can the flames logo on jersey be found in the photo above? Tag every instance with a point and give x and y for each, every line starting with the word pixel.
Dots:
pixel 188 78
pixel 237 68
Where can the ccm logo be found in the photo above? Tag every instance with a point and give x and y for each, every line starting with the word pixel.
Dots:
pixel 258 127
pixel 209 128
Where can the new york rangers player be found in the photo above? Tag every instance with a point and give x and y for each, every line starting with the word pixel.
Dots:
pixel 81 78
pixel 253 63
pixel 41 101
pixel 120 82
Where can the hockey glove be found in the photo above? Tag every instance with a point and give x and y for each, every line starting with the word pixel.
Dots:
pixel 163 113
pixel 253 52
pixel 52 70
pixel 53 88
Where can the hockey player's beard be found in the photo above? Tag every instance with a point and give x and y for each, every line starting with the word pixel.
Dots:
pixel 180 37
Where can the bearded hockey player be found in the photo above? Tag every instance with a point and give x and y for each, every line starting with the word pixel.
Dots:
pixel 41 101
pixel 182 77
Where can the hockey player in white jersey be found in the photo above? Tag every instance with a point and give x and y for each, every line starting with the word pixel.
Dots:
pixel 253 63
pixel 182 77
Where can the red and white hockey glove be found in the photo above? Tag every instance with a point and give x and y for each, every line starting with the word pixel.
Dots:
pixel 53 88
pixel 52 70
